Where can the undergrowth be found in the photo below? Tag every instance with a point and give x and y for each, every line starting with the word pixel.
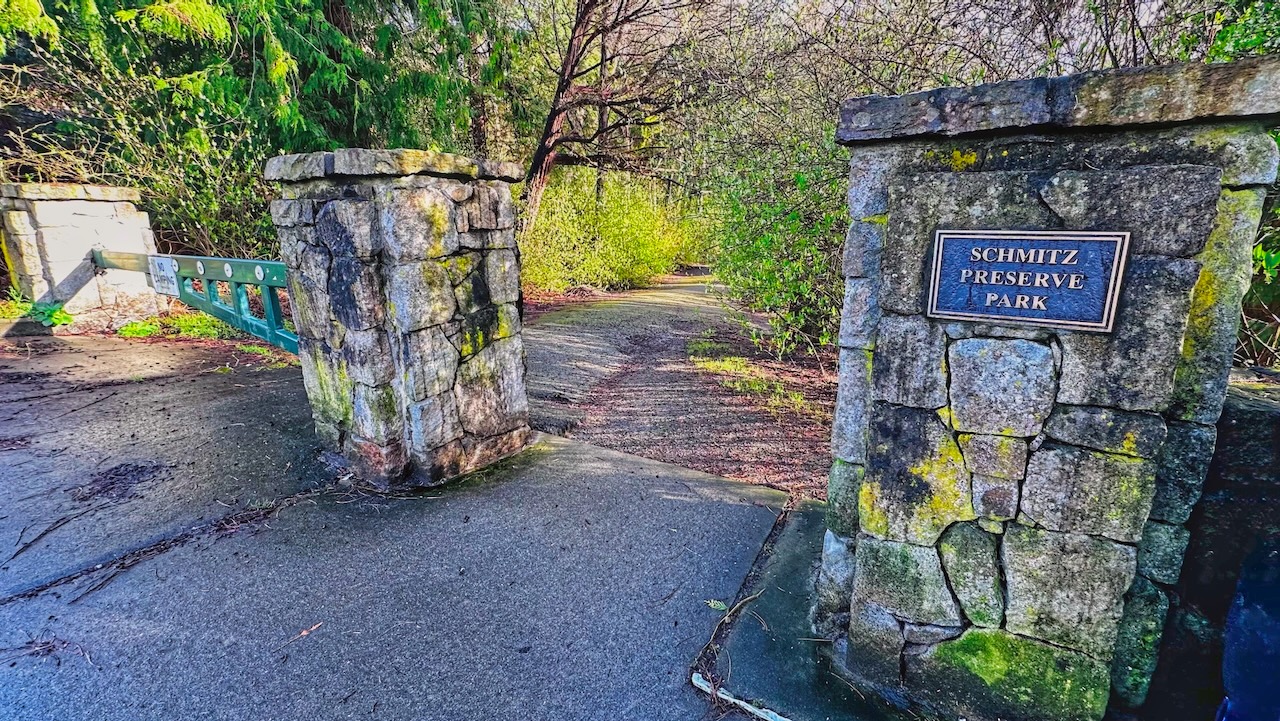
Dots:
pixel 16 306
pixel 739 374
pixel 631 235
pixel 181 325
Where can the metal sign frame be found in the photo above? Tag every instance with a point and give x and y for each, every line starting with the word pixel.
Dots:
pixel 1111 293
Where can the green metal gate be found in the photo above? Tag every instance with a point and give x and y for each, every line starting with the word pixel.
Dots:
pixel 176 276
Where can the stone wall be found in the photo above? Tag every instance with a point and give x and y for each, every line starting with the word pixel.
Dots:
pixel 1008 505
pixel 404 280
pixel 49 232
pixel 1240 506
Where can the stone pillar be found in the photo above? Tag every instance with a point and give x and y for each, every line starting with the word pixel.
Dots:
pixel 404 280
pixel 1008 502
pixel 49 231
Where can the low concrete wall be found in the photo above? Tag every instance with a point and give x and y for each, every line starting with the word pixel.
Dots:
pixel 405 287
pixel 49 232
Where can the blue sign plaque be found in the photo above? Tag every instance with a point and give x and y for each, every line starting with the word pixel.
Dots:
pixel 1060 279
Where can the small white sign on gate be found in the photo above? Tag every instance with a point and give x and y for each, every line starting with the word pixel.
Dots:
pixel 164 274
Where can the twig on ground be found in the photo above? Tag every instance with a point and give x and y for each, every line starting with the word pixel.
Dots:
pixel 93 402
pixel 301 634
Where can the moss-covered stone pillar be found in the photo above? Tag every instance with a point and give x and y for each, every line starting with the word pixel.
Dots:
pixel 404 281
pixel 1023 425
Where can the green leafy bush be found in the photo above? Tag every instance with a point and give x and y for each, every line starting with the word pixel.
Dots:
pixel 780 228
pixel 185 99
pixel 634 235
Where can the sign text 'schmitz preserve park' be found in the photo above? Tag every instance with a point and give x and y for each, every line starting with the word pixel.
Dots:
pixel 1063 279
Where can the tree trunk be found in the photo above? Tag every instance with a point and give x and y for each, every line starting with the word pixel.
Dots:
pixel 602 117
pixel 477 102
pixel 544 160
pixel 544 156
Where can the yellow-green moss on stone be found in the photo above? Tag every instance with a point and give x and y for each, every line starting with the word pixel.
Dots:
pixel 1200 382
pixel 988 673
pixel 916 482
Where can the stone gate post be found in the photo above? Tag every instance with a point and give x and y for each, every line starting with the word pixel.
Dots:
pixel 1043 283
pixel 405 289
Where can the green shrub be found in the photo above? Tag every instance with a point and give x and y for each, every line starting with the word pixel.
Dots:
pixel 781 221
pixel 140 329
pixel 14 306
pixel 180 325
pixel 47 314
pixel 635 235
pixel 199 325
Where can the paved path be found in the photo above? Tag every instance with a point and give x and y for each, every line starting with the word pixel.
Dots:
pixel 617 373
pixel 573 350
pixel 173 532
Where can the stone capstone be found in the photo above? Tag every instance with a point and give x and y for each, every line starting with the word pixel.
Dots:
pixel 1131 96
pixel 906 580
pixel 1066 589
pixel 394 163
pixel 1000 387
pixel 916 483
pixel 69 191
pixel 970 559
pixel 1082 491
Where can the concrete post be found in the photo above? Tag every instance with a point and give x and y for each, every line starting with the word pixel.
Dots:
pixel 1008 502
pixel 405 289
pixel 49 231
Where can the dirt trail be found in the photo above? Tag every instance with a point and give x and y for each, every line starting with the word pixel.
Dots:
pixel 617 373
